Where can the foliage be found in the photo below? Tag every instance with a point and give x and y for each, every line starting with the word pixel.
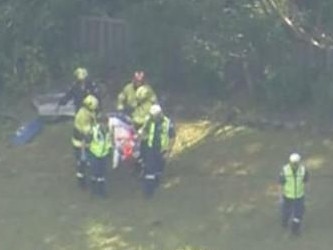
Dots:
pixel 223 46
pixel 33 42
pixel 275 50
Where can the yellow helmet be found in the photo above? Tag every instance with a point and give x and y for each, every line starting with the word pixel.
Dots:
pixel 91 102
pixel 81 74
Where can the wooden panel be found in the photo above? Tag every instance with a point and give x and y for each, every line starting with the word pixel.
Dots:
pixel 103 37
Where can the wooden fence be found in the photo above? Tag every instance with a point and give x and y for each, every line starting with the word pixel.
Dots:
pixel 105 39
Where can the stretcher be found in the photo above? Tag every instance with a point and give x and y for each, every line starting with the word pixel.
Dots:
pixel 125 139
pixel 47 105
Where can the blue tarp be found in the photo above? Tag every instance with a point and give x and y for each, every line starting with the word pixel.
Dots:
pixel 26 132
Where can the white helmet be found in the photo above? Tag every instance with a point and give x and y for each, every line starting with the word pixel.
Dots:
pixel 294 158
pixel 155 109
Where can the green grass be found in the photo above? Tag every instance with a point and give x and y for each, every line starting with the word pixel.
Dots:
pixel 219 193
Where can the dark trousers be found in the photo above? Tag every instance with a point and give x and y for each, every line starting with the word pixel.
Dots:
pixel 154 164
pixel 293 211
pixel 98 174
pixel 140 160
pixel 81 165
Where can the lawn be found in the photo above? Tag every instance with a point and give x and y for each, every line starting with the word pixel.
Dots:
pixel 219 193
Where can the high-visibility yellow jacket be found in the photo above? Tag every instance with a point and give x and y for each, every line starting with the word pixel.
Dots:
pixel 101 142
pixel 165 133
pixel 83 122
pixel 137 100
pixel 140 113
pixel 294 181
pixel 145 97
pixel 127 97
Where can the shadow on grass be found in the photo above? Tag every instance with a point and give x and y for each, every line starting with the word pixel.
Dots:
pixel 219 193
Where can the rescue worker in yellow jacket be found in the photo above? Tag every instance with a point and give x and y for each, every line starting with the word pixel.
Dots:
pixel 158 135
pixel 100 146
pixel 136 98
pixel 84 120
pixel 293 178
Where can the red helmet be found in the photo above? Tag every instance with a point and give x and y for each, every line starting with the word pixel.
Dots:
pixel 138 76
pixel 127 149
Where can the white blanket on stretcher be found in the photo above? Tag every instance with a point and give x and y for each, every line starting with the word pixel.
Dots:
pixel 122 131
pixel 123 134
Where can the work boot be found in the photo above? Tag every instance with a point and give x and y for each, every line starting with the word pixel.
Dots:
pixel 93 186
pixel 81 180
pixel 296 227
pixel 149 188
pixel 82 183
pixel 101 189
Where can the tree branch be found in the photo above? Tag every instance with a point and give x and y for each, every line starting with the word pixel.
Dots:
pixel 299 31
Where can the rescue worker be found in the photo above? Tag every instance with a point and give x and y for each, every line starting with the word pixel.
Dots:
pixel 292 180
pixel 136 99
pixel 99 154
pixel 84 120
pixel 80 88
pixel 158 134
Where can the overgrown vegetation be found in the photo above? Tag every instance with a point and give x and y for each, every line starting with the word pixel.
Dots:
pixel 277 51
pixel 219 190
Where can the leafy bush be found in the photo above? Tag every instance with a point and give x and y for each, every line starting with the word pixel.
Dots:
pixel 27 72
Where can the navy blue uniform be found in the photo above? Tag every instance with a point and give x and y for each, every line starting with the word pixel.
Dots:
pixel 154 159
pixel 78 91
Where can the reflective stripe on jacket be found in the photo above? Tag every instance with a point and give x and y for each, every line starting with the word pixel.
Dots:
pixel 164 135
